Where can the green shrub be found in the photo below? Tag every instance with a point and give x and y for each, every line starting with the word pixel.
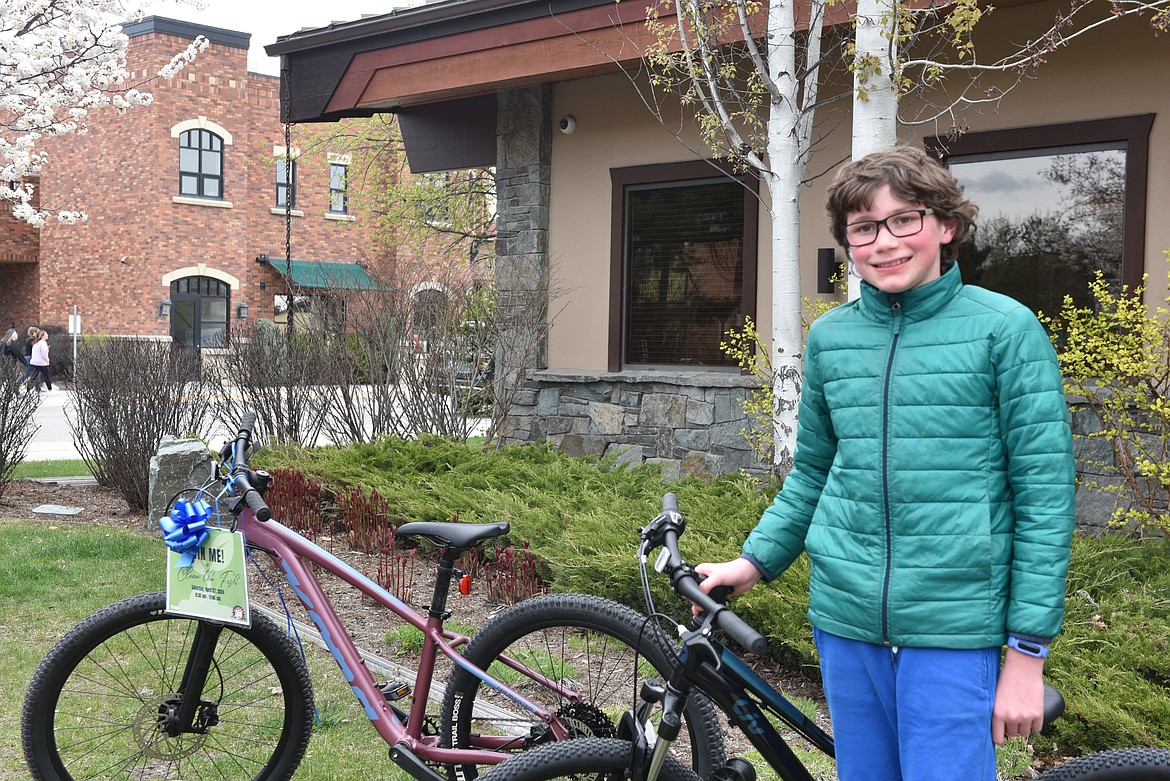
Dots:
pixel 1115 355
pixel 1112 661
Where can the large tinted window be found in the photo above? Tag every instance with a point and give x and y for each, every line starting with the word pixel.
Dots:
pixel 684 264
pixel 1049 221
pixel 1058 203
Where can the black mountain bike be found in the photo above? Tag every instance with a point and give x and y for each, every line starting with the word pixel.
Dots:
pixel 639 752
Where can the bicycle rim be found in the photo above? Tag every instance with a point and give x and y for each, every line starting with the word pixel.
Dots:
pixel 586 646
pixel 99 705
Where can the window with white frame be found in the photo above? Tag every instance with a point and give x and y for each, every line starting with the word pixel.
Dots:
pixel 339 184
pixel 200 164
pixel 286 183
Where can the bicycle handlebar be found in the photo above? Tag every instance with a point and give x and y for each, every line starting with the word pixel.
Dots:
pixel 241 474
pixel 665 530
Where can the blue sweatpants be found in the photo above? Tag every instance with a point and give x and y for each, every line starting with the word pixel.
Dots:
pixel 909 714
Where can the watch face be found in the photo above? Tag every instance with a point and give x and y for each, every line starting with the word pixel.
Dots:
pixel 1028 647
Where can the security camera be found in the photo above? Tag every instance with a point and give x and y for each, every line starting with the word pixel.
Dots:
pixel 567 124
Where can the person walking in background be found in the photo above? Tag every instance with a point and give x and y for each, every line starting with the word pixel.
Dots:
pixel 11 347
pixel 39 361
pixel 29 340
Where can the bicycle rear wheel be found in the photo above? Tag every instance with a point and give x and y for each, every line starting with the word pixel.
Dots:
pixel 596 652
pixel 1124 764
pixel 100 704
pixel 584 759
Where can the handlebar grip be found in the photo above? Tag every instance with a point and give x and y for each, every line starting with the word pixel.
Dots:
pixel 670 503
pixel 252 498
pixel 687 584
pixel 741 632
pixel 247 423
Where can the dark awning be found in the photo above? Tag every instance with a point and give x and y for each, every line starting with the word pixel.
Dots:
pixel 324 275
pixel 450 136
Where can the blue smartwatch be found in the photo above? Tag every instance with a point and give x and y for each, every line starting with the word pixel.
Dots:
pixel 1038 650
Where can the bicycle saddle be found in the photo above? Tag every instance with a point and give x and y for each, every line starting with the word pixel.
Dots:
pixel 455 535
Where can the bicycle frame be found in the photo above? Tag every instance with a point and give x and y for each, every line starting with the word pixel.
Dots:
pixel 707 665
pixel 410 747
pixel 730 686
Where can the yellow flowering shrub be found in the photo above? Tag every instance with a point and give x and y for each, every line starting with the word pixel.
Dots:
pixel 1115 356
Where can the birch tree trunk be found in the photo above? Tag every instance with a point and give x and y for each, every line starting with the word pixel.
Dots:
pixel 875 106
pixel 786 154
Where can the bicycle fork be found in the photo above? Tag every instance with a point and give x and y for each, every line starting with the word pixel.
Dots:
pixel 192 713
pixel 637 727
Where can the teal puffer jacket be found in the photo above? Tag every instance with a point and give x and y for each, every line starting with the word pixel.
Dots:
pixel 933 485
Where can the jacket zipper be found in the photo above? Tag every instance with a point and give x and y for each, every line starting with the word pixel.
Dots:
pixel 897 309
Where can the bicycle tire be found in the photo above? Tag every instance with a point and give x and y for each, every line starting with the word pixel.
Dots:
pixel 583 759
pixel 587 641
pixel 96 702
pixel 1123 764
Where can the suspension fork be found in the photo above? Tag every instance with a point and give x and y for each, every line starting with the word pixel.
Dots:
pixel 195 674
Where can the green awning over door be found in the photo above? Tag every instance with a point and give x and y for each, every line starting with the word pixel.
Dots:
pixel 319 275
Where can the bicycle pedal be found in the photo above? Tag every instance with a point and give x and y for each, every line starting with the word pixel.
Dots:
pixel 393 690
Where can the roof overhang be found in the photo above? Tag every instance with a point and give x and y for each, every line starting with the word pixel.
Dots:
pixel 446 51
pixel 453 50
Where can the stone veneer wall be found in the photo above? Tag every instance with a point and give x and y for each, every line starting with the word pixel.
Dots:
pixel 691 422
pixel 523 182
pixel 1096 469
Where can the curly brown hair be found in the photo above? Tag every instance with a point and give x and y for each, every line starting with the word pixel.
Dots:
pixel 913 176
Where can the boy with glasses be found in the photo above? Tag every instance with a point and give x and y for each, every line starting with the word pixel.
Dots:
pixel 932 489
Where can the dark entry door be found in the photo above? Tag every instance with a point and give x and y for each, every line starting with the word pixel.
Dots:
pixel 199 317
pixel 185 321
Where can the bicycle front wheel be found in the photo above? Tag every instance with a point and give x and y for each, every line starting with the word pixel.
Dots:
pixel 1124 764
pixel 585 658
pixel 102 704
pixel 584 759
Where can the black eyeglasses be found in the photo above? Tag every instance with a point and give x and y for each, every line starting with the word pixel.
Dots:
pixel 901 225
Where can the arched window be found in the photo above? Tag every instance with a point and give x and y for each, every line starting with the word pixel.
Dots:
pixel 200 164
pixel 430 309
pixel 199 314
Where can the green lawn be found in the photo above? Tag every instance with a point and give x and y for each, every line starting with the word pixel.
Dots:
pixel 53 575
pixel 60 468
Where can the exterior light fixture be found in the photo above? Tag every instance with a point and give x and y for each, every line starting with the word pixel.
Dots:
pixel 828 267
pixel 164 308
pixel 242 311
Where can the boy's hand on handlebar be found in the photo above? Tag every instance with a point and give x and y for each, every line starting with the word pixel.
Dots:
pixel 739 574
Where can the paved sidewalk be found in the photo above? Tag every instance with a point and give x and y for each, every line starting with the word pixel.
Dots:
pixel 80 480
pixel 54 439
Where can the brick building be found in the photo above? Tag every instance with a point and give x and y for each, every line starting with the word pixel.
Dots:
pixel 183 198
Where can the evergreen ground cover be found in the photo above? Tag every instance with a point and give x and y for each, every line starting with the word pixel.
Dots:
pixel 1112 661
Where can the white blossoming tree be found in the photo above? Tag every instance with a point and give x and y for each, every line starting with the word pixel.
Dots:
pixel 59 61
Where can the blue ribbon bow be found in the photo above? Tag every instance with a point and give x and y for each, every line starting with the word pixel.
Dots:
pixel 186 529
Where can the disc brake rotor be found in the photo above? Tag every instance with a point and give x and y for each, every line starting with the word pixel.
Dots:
pixel 150 731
